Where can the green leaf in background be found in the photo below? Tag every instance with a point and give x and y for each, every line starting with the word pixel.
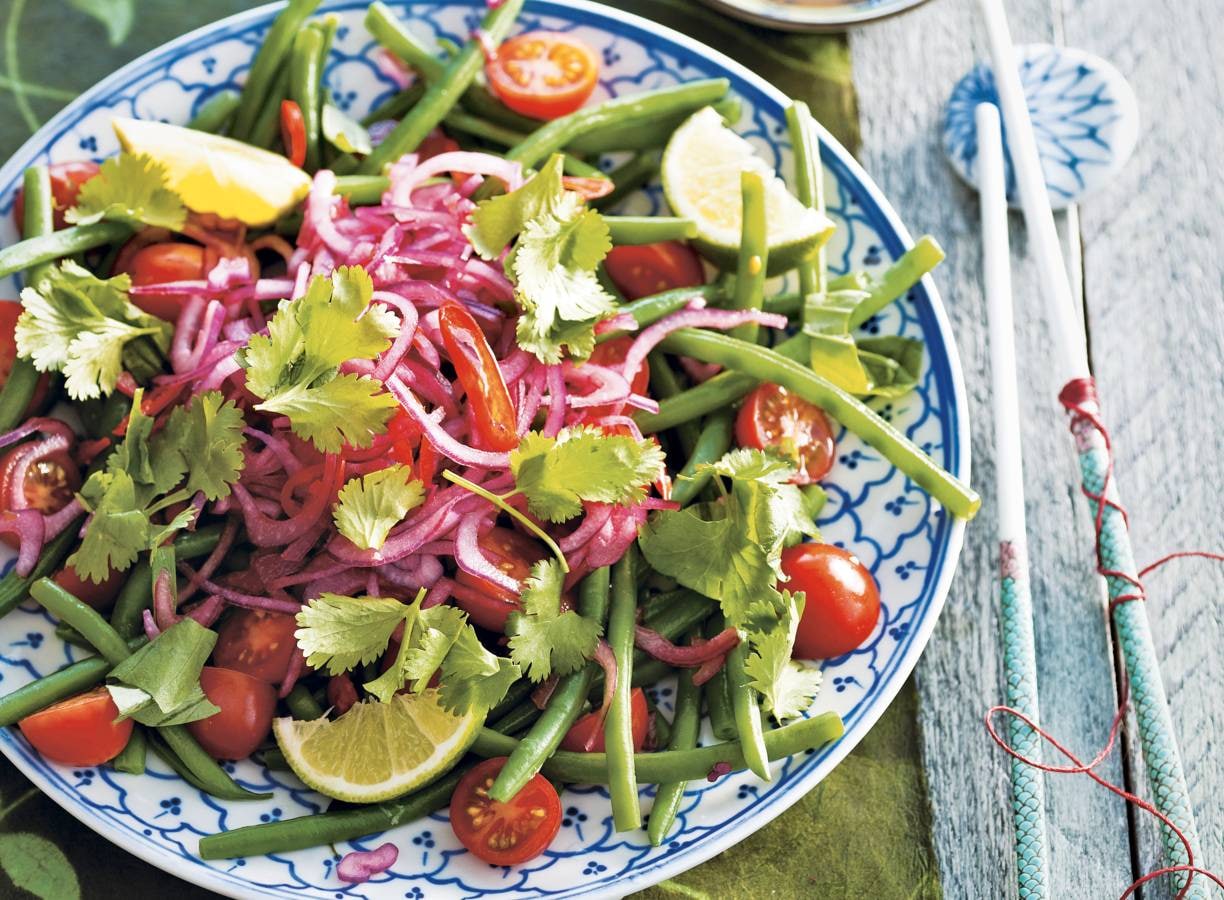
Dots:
pixel 115 15
pixel 36 865
pixel 893 364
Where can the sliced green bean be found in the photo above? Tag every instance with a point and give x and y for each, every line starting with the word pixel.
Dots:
pixel 39 216
pixel 648 310
pixel 753 260
pixel 647 135
pixel 767 365
pixel 17 392
pixel 627 178
pixel 713 442
pixel 519 719
pixel 664 385
pixel 15 588
pixel 66 242
pixel 136 595
pixel 209 776
pixel 809 186
pixel 363 190
pixel 302 704
pixel 717 695
pixel 482 128
pixel 267 126
pixel 216 112
pixel 88 621
pixel 572 165
pixel 70 635
pixel 563 707
pixel 618 726
pixel 685 725
pixel 442 95
pixel 330 827
pixel 649 229
pixel 72 679
pixel 131 758
pixel 306 88
pixel 268 62
pixel 746 708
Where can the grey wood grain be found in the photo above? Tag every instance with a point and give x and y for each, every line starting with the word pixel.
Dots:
pixel 1155 279
pixel 904 70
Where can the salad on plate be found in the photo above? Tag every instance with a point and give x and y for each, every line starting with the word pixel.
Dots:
pixel 385 452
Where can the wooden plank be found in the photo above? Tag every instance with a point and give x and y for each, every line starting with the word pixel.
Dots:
pixel 904 70
pixel 1154 274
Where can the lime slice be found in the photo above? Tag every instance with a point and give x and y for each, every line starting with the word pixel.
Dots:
pixel 377 751
pixel 701 178
pixel 214 174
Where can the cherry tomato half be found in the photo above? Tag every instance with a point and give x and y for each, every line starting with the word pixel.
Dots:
pixel 245 719
pixel 612 354
pixel 10 311
pixel 66 181
pixel 481 377
pixel 257 643
pixel 644 269
pixel 586 734
pixel 79 731
pixel 543 74
pixel 99 596
pixel 293 132
pixel 159 263
pixel 843 602
pixel 49 484
pixel 504 834
pixel 489 604
pixel 774 417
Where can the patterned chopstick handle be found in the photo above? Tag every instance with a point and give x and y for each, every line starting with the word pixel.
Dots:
pixel 1020 668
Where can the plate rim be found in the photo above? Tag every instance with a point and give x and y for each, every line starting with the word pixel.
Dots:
pixel 203 876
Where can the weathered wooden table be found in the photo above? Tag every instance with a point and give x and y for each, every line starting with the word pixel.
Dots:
pixel 1152 277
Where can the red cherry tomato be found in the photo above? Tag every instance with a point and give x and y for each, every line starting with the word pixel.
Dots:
pixel 66 181
pixel 245 719
pixel 99 596
pixel 843 602
pixel 478 372
pixel 79 731
pixel 159 263
pixel 257 643
pixel 436 143
pixel 504 834
pixel 293 132
pixel 586 734
pixel 543 74
pixel 9 313
pixel 612 354
pixel 774 417
pixel 645 269
pixel 489 604
pixel 48 486
pixel 341 693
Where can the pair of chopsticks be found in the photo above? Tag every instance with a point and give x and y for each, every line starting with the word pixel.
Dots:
pixel 1156 734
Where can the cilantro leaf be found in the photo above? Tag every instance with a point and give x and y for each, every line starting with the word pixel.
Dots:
pixel 893 364
pixel 497 221
pixel 118 530
pixel 429 636
pixel 129 188
pixel 787 686
pixel 206 436
pixel 159 684
pixel 81 325
pixel 543 640
pixel 474 678
pixel 294 368
pixel 869 367
pixel 340 633
pixel 731 550
pixel 369 507
pixel 582 464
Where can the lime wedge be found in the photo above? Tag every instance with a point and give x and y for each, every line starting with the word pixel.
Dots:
pixel 214 174
pixel 701 178
pixel 377 751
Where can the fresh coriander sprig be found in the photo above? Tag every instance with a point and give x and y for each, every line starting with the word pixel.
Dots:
pixel 500 501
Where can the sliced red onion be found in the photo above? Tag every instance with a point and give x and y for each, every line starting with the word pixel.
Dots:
pixel 320 205
pixel 251 601
pixel 470 558
pixel 722 319
pixel 611 386
pixel 297 665
pixel 438 594
pixel 408 322
pixel 688 657
pixel 185 330
pixel 618 322
pixel 362 865
pixel 543 693
pixel 28 526
pixel 443 442
pixel 150 627
pixel 597 516
pixel 278 445
pixel 164 605
pixel 404 180
pixel 607 661
pixel 206 570
pixel 556 398
pixel 699 372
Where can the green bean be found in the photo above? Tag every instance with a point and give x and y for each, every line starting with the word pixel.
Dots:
pixel 518 694
pixel 647 135
pixel 767 365
pixel 726 388
pixel 627 178
pixel 572 165
pixel 659 729
pixel 39 216
pixel 634 109
pixel 717 695
pixel 136 595
pixel 563 706
pixel 753 254
pixel 483 128
pixel 274 760
pixel 72 679
pixel 712 443
pixel 302 704
pixel 88 621
pixel 673 765
pixel 746 709
pixel 519 719
pixel 648 310
pixel 268 62
pixel 65 242
pixel 618 726
pixel 209 776
pixel 685 725
pixel 70 635
pixel 15 588
pixel 809 187
pixel 306 88
pixel 442 94
pixel 216 112
pixel 396 106
pixel 664 385
pixel 131 758
pixel 332 827
pixel 788 304
pixel 17 392
pixel 267 126
pixel 649 229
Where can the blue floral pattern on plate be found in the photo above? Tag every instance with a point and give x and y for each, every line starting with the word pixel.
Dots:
pixel 1084 114
pixel 909 543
